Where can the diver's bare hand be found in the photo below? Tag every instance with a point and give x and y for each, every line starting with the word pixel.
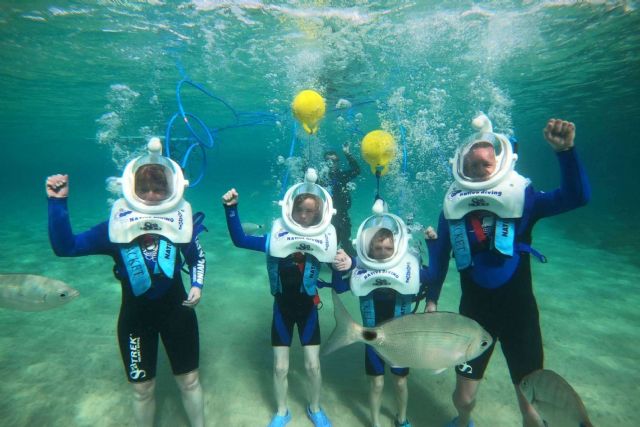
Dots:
pixel 559 134
pixel 342 261
pixel 430 233
pixel 57 186
pixel 230 198
pixel 194 297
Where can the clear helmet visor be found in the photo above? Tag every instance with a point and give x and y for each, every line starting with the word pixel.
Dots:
pixel 381 240
pixel 307 207
pixel 154 178
pixel 485 158
pixel 480 159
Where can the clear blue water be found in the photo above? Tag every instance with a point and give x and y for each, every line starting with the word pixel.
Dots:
pixel 83 84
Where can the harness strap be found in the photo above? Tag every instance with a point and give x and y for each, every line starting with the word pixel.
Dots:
pixel 166 258
pixel 136 268
pixel 460 243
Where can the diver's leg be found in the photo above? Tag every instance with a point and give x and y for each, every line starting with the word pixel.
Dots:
pixel 376 385
pixel 280 381
pixel 192 397
pixel 139 351
pixel 402 397
pixel 312 366
pixel 530 417
pixel 144 403
pixel 464 398
pixel 521 343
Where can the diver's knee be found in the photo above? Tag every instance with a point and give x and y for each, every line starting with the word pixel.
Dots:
pixel 377 383
pixel 312 367
pixel 144 390
pixel 188 382
pixel 401 382
pixel 281 369
pixel 464 398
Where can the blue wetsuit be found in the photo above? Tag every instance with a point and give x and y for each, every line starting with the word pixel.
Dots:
pixel 157 312
pixel 292 304
pixel 502 300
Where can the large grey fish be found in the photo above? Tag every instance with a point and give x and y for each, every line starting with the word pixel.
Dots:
pixel 434 341
pixel 555 400
pixel 29 292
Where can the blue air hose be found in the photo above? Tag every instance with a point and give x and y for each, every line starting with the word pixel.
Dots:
pixel 206 137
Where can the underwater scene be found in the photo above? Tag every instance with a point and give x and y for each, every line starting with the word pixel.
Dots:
pixel 86 84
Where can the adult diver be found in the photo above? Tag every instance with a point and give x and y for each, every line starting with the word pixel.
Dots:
pixel 487 219
pixel 149 231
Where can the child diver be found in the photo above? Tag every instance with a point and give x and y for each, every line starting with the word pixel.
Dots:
pixel 299 241
pixel 148 229
pixel 387 277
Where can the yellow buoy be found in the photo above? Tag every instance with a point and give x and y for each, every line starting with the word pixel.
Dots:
pixel 378 150
pixel 308 107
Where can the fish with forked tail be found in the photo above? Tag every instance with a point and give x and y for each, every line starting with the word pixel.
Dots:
pixel 555 400
pixel 433 341
pixel 29 292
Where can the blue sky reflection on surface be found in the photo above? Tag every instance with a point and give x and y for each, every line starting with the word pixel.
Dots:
pixel 85 83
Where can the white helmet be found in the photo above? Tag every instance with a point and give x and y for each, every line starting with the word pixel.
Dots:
pixel 382 224
pixel 504 154
pixel 166 174
pixel 299 192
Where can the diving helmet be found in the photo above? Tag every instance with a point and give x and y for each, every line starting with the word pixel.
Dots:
pixel 382 225
pixel 307 207
pixel 153 183
pixel 500 147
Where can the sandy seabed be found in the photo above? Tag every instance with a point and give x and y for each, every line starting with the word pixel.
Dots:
pixel 62 367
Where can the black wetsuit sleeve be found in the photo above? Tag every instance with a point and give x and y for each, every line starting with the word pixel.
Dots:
pixel 66 244
pixel 354 168
pixel 439 255
pixel 574 190
pixel 239 239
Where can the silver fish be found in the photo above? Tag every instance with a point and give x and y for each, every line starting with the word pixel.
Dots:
pixel 434 341
pixel 555 400
pixel 29 292
pixel 251 228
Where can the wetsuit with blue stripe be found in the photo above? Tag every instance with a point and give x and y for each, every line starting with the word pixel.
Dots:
pixel 292 304
pixel 503 301
pixel 158 312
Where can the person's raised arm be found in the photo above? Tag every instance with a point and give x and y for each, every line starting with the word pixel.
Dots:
pixel 354 167
pixel 57 186
pixel 238 236
pixel 574 188
pixel 63 242
pixel 560 134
